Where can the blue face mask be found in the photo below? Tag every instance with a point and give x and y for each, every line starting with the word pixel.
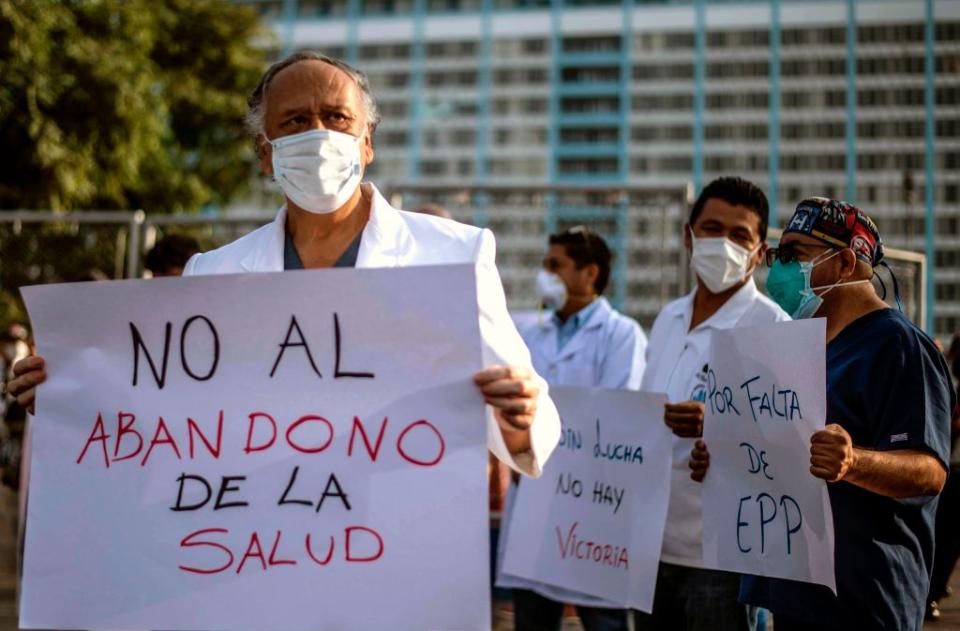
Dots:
pixel 789 286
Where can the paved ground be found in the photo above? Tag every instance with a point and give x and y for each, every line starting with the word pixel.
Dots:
pixel 949 620
pixel 503 619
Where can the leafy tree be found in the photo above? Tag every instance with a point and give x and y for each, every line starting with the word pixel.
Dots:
pixel 116 104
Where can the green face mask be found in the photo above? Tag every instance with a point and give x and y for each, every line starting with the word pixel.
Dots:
pixel 789 286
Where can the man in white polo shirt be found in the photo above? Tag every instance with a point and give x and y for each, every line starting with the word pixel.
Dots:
pixel 726 237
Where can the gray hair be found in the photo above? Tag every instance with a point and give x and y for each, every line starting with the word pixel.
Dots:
pixel 256 106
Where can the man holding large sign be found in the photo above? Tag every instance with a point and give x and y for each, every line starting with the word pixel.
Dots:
pixel 313 118
pixel 886 443
pixel 726 237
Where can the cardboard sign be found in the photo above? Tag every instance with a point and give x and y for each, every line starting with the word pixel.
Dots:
pixel 763 512
pixel 298 450
pixel 593 524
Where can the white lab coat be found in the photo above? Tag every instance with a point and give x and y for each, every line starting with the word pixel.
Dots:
pixel 607 351
pixel 394 238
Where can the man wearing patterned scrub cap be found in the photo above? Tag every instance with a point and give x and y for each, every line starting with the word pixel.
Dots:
pixel 885 447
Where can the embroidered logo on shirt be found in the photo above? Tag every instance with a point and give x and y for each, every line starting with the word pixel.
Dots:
pixel 899 438
pixel 700 388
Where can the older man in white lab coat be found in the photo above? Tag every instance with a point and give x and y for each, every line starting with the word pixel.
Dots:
pixel 583 342
pixel 313 117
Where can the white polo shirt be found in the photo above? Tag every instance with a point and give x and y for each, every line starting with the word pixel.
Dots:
pixel 676 359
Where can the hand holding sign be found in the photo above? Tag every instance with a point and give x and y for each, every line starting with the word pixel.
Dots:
pixel 512 392
pixel 685 419
pixel 831 453
pixel 699 461
pixel 29 373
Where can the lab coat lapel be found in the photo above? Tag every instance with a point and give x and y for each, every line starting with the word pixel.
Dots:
pixel 386 240
pixel 266 251
pixel 580 338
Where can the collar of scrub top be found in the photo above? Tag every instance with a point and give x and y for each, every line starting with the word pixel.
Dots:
pixel 726 316
pixel 386 240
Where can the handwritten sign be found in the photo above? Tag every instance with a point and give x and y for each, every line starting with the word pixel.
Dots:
pixel 763 512
pixel 593 524
pixel 303 450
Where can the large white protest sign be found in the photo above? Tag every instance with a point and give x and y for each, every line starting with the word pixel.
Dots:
pixel 593 524
pixel 292 451
pixel 763 512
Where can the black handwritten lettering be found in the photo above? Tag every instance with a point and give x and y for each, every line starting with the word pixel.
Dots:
pixel 183 348
pixel 758 460
pixel 286 492
pixel 568 485
pixel 159 376
pixel 337 373
pixel 287 343
pixel 791 529
pixel 618 451
pixel 226 488
pixel 332 481
pixel 179 506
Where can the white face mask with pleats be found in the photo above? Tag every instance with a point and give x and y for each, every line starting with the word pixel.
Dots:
pixel 719 262
pixel 551 290
pixel 319 170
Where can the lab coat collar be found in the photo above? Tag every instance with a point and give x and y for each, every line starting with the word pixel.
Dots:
pixel 726 316
pixel 386 240
pixel 599 315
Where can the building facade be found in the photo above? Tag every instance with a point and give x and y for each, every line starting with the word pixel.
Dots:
pixel 843 98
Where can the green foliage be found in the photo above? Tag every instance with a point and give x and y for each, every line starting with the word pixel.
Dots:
pixel 119 104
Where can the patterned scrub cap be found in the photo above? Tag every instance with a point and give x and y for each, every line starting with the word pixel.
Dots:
pixel 840 225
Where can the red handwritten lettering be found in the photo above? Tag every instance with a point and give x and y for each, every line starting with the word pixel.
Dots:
pixel 156 440
pixel 97 434
pixel 371 451
pixel 188 542
pixel 194 429
pixel 122 430
pixel 253 421
pixel 412 460
pixel 307 419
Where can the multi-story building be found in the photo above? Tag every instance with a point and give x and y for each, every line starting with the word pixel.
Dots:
pixel 855 99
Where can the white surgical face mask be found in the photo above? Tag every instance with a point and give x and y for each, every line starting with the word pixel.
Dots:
pixel 719 262
pixel 319 170
pixel 551 290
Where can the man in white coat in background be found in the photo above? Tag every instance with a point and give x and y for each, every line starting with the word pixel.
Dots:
pixel 726 236
pixel 582 342
pixel 313 118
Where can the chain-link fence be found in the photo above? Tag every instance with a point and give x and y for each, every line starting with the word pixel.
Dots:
pixel 642 225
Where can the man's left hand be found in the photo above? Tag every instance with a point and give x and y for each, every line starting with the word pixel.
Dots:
pixel 512 391
pixel 832 454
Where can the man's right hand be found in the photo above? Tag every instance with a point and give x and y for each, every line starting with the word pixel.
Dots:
pixel 699 461
pixel 685 419
pixel 28 374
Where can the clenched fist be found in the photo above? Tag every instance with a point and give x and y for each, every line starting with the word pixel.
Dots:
pixel 832 454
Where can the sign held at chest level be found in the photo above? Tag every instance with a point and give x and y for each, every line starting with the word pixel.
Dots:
pixel 242 435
